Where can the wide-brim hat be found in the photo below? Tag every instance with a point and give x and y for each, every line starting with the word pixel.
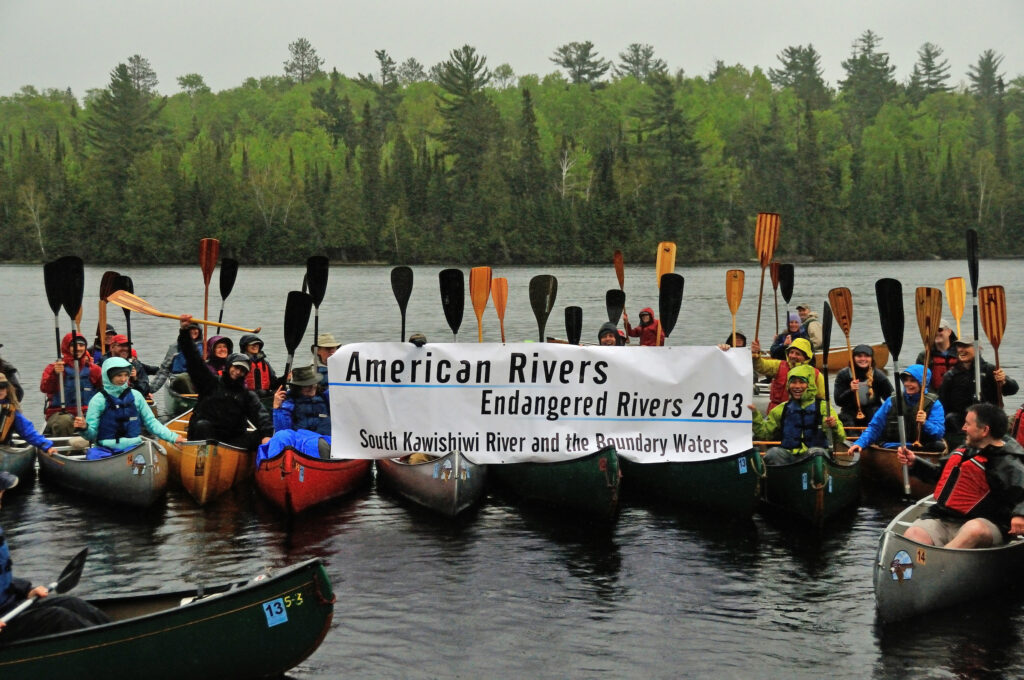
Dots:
pixel 327 340
pixel 7 480
pixel 304 376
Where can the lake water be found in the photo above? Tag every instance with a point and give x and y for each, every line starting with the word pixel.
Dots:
pixel 658 592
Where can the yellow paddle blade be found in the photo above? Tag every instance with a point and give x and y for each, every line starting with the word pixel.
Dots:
pixel 956 293
pixel 766 236
pixel 666 262
pixel 734 289
pixel 841 302
pixel 479 291
pixel 992 306
pixel 929 309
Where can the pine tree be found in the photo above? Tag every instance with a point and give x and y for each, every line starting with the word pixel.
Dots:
pixel 930 75
pixel 639 61
pixel 304 63
pixel 581 62
pixel 802 72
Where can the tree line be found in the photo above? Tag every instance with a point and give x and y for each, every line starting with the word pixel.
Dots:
pixel 464 163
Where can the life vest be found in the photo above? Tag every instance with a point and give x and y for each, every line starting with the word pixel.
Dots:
pixel 891 433
pixel 7 417
pixel 777 393
pixel 120 419
pixel 801 425
pixel 313 414
pixel 941 363
pixel 963 484
pixel 262 368
pixel 178 363
pixel 84 380
pixel 1017 426
pixel 6 572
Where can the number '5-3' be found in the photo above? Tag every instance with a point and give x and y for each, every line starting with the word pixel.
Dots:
pixel 296 600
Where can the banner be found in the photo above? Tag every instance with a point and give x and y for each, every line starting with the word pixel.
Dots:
pixel 539 402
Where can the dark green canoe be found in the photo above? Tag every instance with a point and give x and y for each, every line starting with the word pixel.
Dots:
pixel 815 487
pixel 248 629
pixel 587 485
pixel 729 486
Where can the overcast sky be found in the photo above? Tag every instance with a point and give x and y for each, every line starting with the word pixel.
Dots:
pixel 76 43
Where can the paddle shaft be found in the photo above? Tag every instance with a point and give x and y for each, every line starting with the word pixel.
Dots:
pixel 760 294
pixel 972 268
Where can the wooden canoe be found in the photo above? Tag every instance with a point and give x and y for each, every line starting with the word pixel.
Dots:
pixel 880 469
pixel 730 485
pixel 814 487
pixel 19 459
pixel 911 578
pixel 447 484
pixel 255 628
pixel 588 485
pixel 135 477
pixel 839 359
pixel 208 468
pixel 294 481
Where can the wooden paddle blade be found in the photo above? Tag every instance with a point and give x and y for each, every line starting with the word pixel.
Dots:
pixel 972 258
pixel 734 289
pixel 72 573
pixel 666 260
pixel 889 295
pixel 929 309
pixel 499 294
pixel 543 290
pixel 53 282
pixel 766 236
pixel 107 284
pixel 401 285
pixel 317 268
pixel 786 282
pixel 620 268
pixel 479 292
pixel 73 284
pixel 228 273
pixel 573 324
pixel 773 271
pixel 670 298
pixel 209 251
pixel 841 302
pixel 126 300
pixel 956 295
pixel 992 300
pixel 453 296
pixel 615 302
pixel 297 309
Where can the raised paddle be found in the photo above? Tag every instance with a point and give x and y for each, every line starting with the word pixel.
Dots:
pixel 620 269
pixel 889 294
pixel 773 272
pixel 71 301
pixel 786 285
pixel 993 320
pixel 67 580
pixel 929 308
pixel 766 237
pixel 734 295
pixel 296 318
pixel 106 288
pixel 614 302
pixel 125 283
pixel 826 340
pixel 228 274
pixel 479 292
pixel 401 286
pixel 453 297
pixel 972 270
pixel 666 261
pixel 127 300
pixel 573 324
pixel 543 290
pixel 317 268
pixel 956 294
pixel 499 294
pixel 53 281
pixel 670 298
pixel 841 305
pixel 209 251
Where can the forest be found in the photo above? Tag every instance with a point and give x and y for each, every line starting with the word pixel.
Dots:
pixel 465 163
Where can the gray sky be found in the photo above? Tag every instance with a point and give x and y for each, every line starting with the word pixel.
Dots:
pixel 76 43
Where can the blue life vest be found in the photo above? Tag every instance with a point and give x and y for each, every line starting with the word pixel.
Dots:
pixel 313 414
pixel 802 425
pixel 179 365
pixel 88 389
pixel 6 572
pixel 120 419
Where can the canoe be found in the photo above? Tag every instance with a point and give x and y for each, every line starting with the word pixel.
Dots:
pixel 19 459
pixel 730 485
pixel 815 487
pixel 881 470
pixel 255 628
pixel 912 578
pixel 207 468
pixel 446 484
pixel 135 477
pixel 588 485
pixel 294 481
pixel 839 359
pixel 175 404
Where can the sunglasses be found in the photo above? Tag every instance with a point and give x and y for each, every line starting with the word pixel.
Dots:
pixel 4 385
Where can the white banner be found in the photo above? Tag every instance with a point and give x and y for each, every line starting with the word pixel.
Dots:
pixel 539 402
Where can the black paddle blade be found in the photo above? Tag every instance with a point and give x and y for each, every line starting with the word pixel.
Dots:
pixel 573 324
pixel 543 290
pixel 786 281
pixel 401 285
pixel 228 274
pixel 296 318
pixel 72 277
pixel 52 281
pixel 889 293
pixel 124 283
pixel 615 302
pixel 670 298
pixel 826 332
pixel 453 296
pixel 972 258
pixel 316 278
pixel 73 572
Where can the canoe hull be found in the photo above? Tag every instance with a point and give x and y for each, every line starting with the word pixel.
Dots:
pixel 20 461
pixel 588 485
pixel 447 485
pixel 840 359
pixel 136 477
pixel 248 629
pixel 881 470
pixel 293 481
pixel 814 488
pixel 207 469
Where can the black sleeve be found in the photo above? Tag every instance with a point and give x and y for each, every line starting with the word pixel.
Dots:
pixel 204 381
pixel 843 394
pixel 259 416
pixel 882 386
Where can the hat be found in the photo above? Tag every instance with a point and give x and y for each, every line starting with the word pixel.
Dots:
pixel 326 340
pixel 863 349
pixel 418 339
pixel 304 376
pixel 803 306
pixel 793 316
pixel 964 342
pixel 110 329
pixel 798 376
pixel 119 340
pixel 240 360
pixel 944 324
pixel 7 481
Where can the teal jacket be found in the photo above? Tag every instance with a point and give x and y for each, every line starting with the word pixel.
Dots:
pixel 98 404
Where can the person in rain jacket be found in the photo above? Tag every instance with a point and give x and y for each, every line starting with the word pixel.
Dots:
pixel 784 339
pixel 802 423
pixel 866 382
pixel 13 422
pixel 798 354
pixel 60 415
pixel 218 349
pixel 261 379
pixel 649 329
pixel 884 426
pixel 174 364
pixel 304 406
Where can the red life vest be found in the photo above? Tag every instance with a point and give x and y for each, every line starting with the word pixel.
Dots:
pixel 263 369
pixel 777 393
pixel 963 484
pixel 1017 426
pixel 939 365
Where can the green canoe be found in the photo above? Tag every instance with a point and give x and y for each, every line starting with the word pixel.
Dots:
pixel 814 487
pixel 588 485
pixel 247 629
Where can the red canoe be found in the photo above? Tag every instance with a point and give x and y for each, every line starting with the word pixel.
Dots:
pixel 294 481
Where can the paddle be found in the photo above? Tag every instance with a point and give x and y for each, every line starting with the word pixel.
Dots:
pixel 786 286
pixel 826 339
pixel 453 298
pixel 401 286
pixel 134 303
pixel 499 293
pixel 670 298
pixel 543 290
pixel 573 324
pixel 972 270
pixel 479 292
pixel 209 251
pixel 614 302
pixel 666 260
pixel 993 320
pixel 106 288
pixel 766 236
pixel 125 283
pixel 620 268
pixel 929 308
pixel 734 295
pixel 296 318
pixel 889 294
pixel 317 268
pixel 228 273
pixel 841 304
pixel 773 272
pixel 71 301
pixel 67 580
pixel 53 281
pixel 956 294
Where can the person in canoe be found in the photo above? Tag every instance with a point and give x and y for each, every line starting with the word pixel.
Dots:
pixel 648 331
pixel 218 349
pixel 225 407
pixel 784 339
pixel 741 341
pixel 608 335
pixel 798 354
pixel 810 325
pixel 8 369
pixel 800 424
pixel 13 422
pixel 957 391
pixel 174 368
pixel 120 347
pixel 50 613
pixel 942 356
pixel 96 351
pixel 325 346
pixel 305 406
pixel 261 379
pixel 866 382
pixel 116 415
pixel 60 415
pixel 884 426
pixel 979 494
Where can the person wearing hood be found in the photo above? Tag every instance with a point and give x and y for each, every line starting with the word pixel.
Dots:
pixel 942 356
pixel 120 347
pixel 810 325
pixel 261 379
pixel 784 339
pixel 798 354
pixel 8 369
pixel 957 391
pixel 58 384
pixel 303 407
pixel 218 348
pixel 608 335
pixel 174 364
pixel 649 331
pixel 13 422
pixel 866 383
pixel 884 425
pixel 225 407
pixel 116 415
pixel 802 424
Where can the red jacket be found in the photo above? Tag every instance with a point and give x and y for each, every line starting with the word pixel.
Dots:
pixel 648 334
pixel 50 385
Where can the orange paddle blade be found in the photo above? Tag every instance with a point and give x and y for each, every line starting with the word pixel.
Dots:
pixel 479 291
pixel 209 251
pixel 499 293
pixel 773 271
pixel 766 236
pixel 992 305
pixel 956 293
pixel 620 269
pixel 666 262
pixel 734 289
pixel 841 302
pixel 929 309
